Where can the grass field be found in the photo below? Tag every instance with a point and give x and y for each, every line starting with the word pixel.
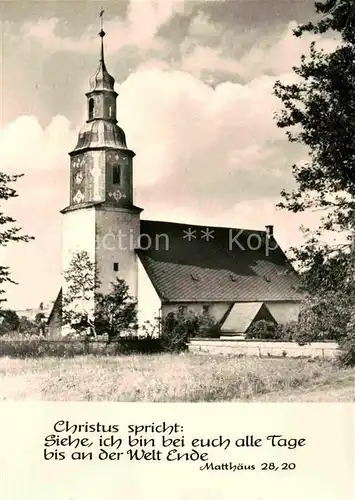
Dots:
pixel 169 378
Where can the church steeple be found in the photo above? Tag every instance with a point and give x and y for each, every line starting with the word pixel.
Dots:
pixel 102 96
pixel 101 163
pixel 101 218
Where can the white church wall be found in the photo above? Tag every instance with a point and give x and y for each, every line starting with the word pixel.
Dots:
pixel 216 309
pixel 116 232
pixel 283 312
pixel 148 300
pixel 78 231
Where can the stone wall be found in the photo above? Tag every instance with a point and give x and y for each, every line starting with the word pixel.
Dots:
pixel 323 350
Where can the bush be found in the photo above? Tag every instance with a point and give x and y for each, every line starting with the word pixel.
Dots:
pixel 177 328
pixel 325 317
pixel 136 345
pixel 9 321
pixel 263 330
pixel 175 331
pixel 32 347
pixel 206 327
pixel 36 347
pixel 346 357
pixel 287 332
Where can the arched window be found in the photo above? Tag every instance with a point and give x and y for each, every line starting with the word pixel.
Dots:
pixel 110 111
pixel 91 108
pixel 116 175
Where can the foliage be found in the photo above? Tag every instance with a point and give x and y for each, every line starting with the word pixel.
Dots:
pixel 262 329
pixel 37 326
pixel 287 332
pixel 325 317
pixel 115 312
pixel 41 322
pixel 27 326
pixel 318 113
pixel 177 328
pixel 80 285
pixel 346 356
pixel 10 233
pixel 9 321
pixel 206 327
pixel 90 312
pixel 29 346
pixel 151 328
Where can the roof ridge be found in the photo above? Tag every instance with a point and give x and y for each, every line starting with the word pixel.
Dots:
pixel 204 226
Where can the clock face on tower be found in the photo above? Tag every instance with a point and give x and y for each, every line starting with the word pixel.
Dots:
pixel 78 177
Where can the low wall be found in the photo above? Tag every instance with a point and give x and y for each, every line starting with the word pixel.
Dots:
pixel 323 350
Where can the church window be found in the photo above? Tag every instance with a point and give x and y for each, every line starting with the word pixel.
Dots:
pixel 91 108
pixel 115 266
pixel 116 174
pixel 110 111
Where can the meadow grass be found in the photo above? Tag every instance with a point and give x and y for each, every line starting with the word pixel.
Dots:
pixel 169 378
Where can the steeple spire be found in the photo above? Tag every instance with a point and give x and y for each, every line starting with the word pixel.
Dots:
pixel 102 80
pixel 102 34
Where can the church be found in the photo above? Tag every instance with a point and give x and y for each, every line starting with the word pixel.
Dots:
pixel 236 275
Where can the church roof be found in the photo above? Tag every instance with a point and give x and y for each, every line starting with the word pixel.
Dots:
pixel 216 268
pixel 102 80
pixel 101 133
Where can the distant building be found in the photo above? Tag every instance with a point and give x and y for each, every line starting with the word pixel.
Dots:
pixel 238 275
pixel 31 313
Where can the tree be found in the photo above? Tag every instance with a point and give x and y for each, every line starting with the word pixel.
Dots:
pixel 88 311
pixel 115 312
pixel 27 326
pixel 319 111
pixel 79 292
pixel 10 233
pixel 9 321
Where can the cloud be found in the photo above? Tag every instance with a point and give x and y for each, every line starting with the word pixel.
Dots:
pixel 208 48
pixel 280 55
pixel 197 145
pixel 26 146
pixel 139 28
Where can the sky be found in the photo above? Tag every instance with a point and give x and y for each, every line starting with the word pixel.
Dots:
pixel 195 83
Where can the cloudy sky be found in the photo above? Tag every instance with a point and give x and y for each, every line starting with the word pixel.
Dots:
pixel 195 85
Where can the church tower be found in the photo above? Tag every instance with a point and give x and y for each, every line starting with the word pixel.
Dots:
pixel 101 218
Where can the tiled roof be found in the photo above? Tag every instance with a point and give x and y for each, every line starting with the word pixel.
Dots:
pixel 216 270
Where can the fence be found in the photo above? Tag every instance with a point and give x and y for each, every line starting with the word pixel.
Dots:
pixel 322 350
